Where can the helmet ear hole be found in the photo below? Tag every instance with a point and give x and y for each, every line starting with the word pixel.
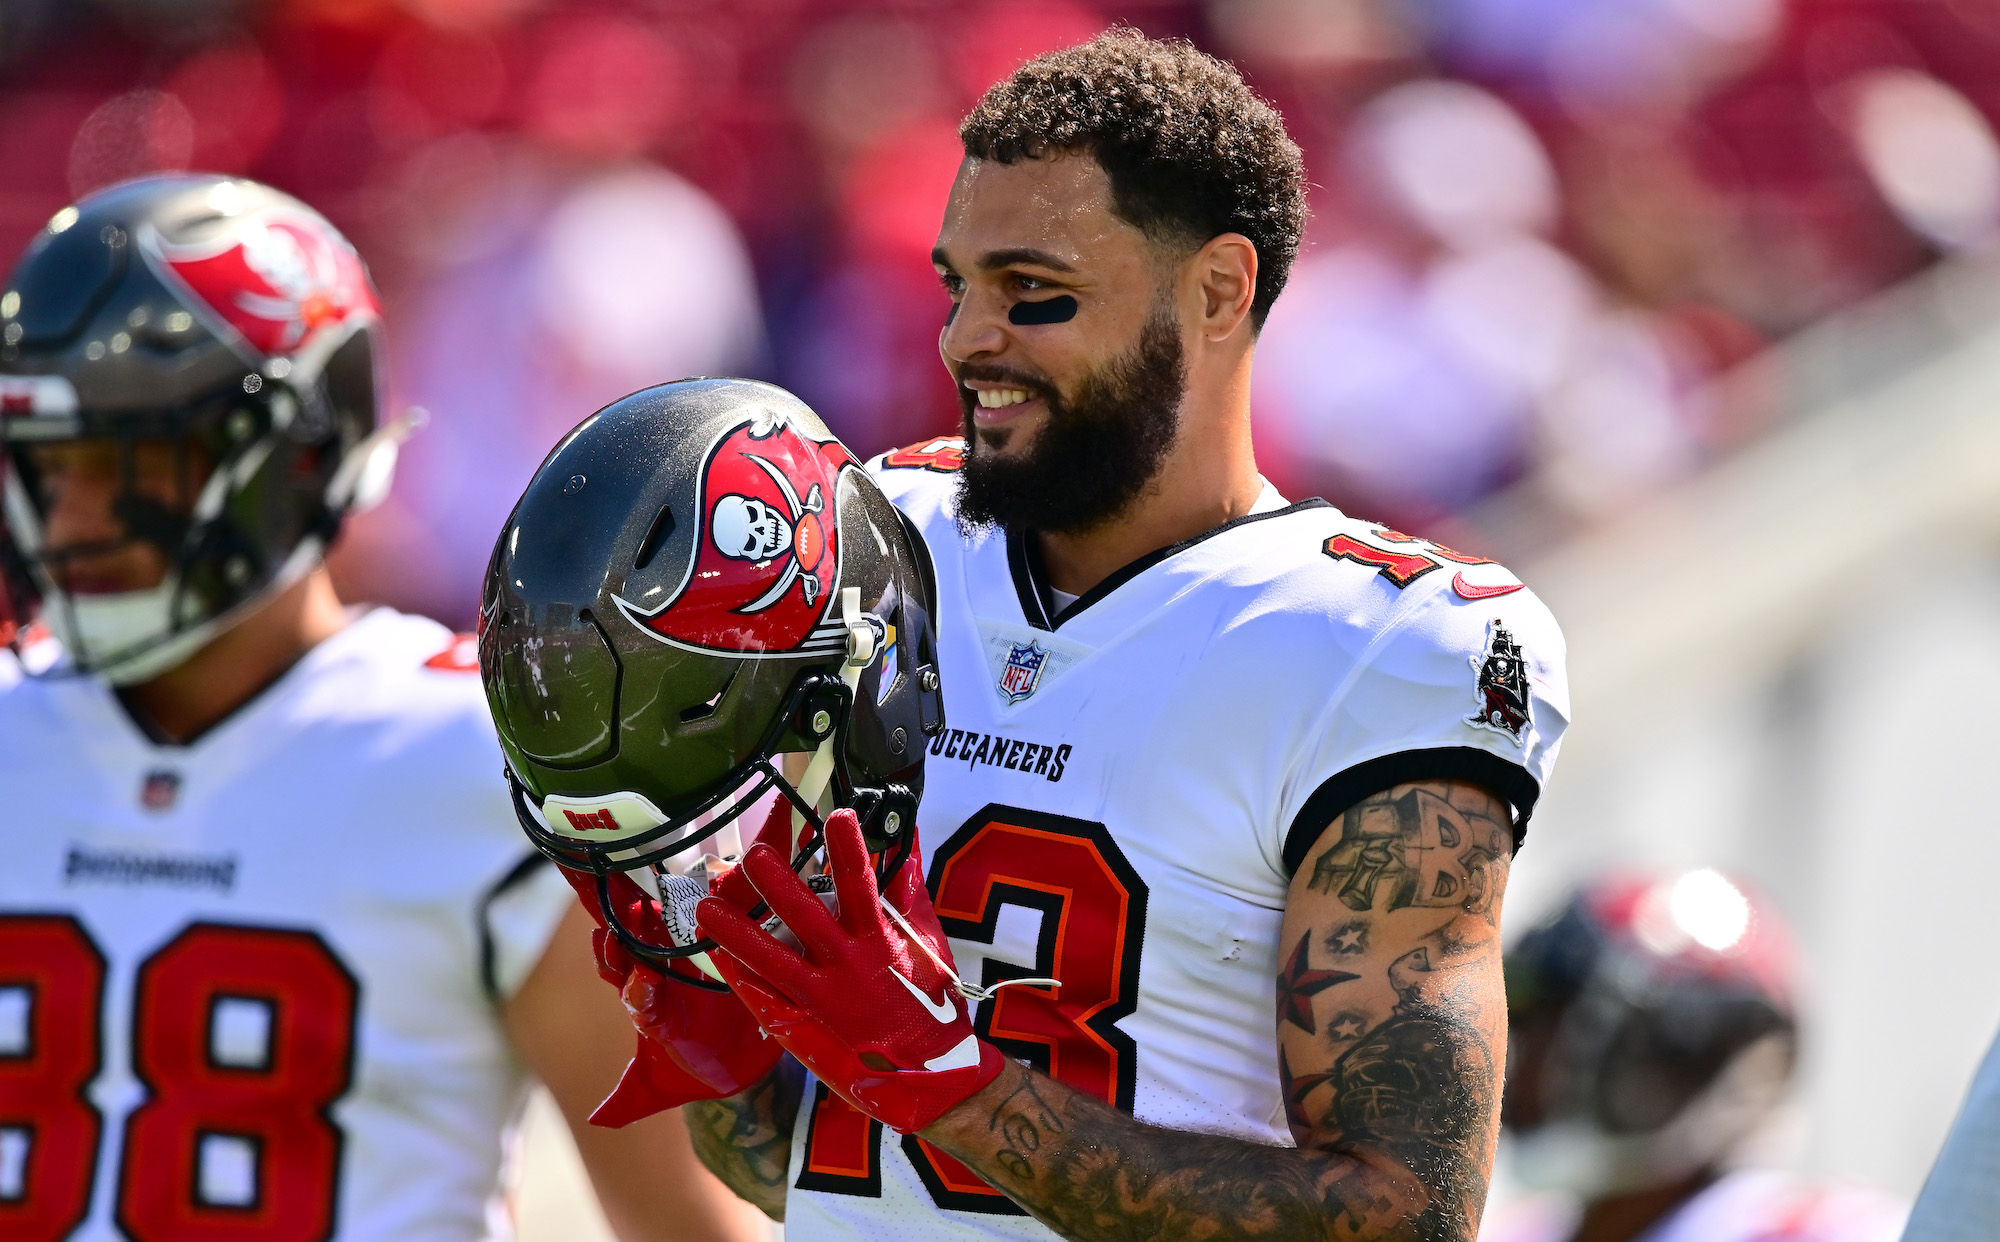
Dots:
pixel 649 547
pixel 706 708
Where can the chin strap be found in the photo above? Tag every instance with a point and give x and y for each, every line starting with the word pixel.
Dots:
pixel 814 784
pixel 861 642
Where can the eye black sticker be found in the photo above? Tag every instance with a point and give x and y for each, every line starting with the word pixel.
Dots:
pixel 1050 310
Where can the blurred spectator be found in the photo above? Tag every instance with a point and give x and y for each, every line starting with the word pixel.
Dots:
pixel 1421 363
pixel 1651 1032
pixel 579 288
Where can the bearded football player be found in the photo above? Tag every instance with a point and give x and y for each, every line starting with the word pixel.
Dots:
pixel 1217 824
pixel 272 952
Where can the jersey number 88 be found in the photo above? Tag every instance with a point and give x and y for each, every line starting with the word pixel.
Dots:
pixel 233 1141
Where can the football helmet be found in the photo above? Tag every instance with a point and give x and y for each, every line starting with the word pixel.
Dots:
pixel 1651 1029
pixel 231 328
pixel 698 581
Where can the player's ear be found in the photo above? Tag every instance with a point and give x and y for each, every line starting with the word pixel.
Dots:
pixel 1225 274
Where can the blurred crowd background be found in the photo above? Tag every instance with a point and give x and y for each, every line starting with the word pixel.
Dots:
pixel 1540 226
pixel 1682 306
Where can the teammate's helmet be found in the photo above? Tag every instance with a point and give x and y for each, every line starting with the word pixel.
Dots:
pixel 1651 1029
pixel 700 579
pixel 229 322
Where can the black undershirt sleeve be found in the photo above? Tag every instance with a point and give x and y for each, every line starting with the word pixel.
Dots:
pixel 1444 763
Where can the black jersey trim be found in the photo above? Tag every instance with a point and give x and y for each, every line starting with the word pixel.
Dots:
pixel 489 963
pixel 1024 561
pixel 1344 789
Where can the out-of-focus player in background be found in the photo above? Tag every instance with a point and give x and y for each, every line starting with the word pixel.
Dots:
pixel 1652 1031
pixel 1201 745
pixel 272 954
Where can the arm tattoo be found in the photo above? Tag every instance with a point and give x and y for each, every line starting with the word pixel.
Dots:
pixel 1409 1091
pixel 1388 1023
pixel 746 1139
pixel 1417 846
pixel 1298 983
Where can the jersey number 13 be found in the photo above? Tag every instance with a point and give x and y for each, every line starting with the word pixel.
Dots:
pixel 1093 908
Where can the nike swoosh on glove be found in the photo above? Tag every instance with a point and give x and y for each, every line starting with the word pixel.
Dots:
pixel 874 1015
pixel 693 1043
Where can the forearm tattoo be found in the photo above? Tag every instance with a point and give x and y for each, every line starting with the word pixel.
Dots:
pixel 1389 1020
pixel 746 1139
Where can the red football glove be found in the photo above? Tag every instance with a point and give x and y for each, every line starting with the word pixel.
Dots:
pixel 694 1043
pixel 874 1015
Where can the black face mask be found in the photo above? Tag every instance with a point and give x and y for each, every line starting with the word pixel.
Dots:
pixel 1096 451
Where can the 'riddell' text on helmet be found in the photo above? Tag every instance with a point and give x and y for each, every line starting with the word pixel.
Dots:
pixel 699 580
pixel 214 323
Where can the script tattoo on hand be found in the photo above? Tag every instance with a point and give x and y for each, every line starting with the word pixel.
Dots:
pixel 1433 845
pixel 746 1139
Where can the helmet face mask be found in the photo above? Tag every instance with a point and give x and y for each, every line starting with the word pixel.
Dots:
pixel 699 582
pixel 221 323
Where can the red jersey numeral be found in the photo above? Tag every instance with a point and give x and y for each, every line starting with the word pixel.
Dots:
pixel 1399 567
pixel 1093 908
pixel 1433 547
pixel 235 1142
pixel 51 991
pixel 244 1038
pixel 843 1148
pixel 944 455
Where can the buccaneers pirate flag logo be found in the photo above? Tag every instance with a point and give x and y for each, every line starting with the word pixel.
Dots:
pixel 276 279
pixel 767 556
pixel 1503 686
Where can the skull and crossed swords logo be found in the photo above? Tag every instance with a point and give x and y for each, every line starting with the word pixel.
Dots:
pixel 745 528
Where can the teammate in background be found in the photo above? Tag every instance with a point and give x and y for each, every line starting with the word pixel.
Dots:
pixel 1652 1031
pixel 1202 746
pixel 272 951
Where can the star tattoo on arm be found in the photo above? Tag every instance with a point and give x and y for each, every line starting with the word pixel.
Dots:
pixel 1297 1088
pixel 1349 938
pixel 1299 983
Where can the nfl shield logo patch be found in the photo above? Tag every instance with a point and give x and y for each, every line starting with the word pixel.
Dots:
pixel 160 790
pixel 1023 671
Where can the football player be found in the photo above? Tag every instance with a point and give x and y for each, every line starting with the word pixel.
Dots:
pixel 1216 835
pixel 1652 1032
pixel 272 952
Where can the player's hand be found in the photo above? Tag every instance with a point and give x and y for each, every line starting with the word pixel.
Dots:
pixel 873 1014
pixel 694 1043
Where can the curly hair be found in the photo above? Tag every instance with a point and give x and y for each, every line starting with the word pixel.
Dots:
pixel 1190 150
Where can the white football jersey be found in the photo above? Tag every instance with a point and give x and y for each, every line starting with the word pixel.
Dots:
pixel 1752 1205
pixel 249 986
pixel 1125 788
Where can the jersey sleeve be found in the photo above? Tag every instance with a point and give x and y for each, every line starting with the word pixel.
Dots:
pixel 518 916
pixel 1448 689
pixel 921 479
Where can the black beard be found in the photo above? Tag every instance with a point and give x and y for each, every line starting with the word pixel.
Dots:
pixel 1096 451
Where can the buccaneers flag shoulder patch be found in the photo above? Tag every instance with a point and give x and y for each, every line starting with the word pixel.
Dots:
pixel 1502 687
